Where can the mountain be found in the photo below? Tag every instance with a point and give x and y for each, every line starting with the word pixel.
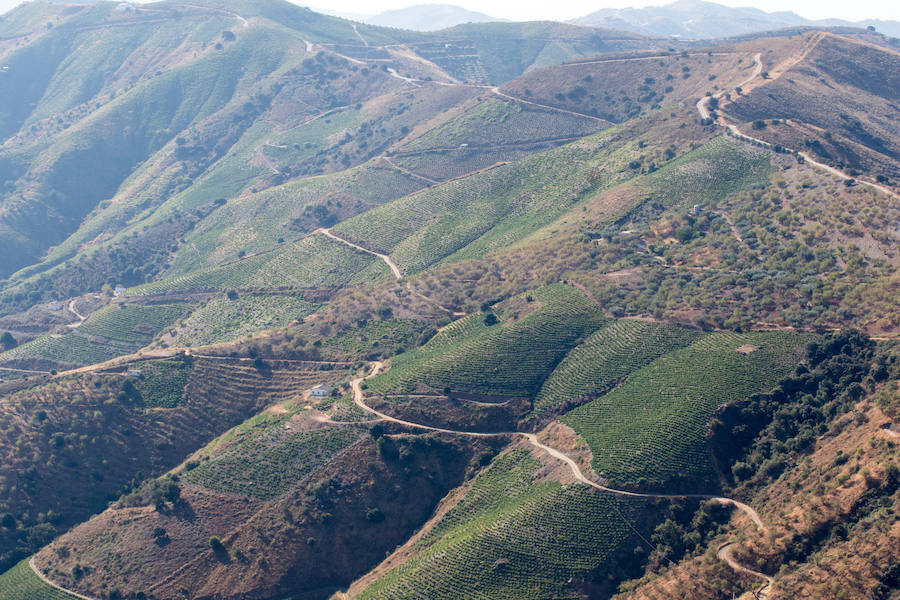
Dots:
pixel 77 105
pixel 296 307
pixel 428 17
pixel 698 19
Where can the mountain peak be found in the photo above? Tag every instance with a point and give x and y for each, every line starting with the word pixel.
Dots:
pixel 428 17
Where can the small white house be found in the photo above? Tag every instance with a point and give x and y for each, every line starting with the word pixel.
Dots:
pixel 118 291
pixel 319 391
pixel 135 373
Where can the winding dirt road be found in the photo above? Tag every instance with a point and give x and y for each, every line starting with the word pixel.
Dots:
pixel 703 109
pixel 81 317
pixel 376 367
pixel 387 259
pixel 496 91
pixel 43 578
pixel 724 552
pixel 702 104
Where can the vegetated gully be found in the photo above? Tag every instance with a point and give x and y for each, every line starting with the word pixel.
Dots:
pixel 724 551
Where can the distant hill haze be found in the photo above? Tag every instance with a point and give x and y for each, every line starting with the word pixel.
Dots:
pixel 428 17
pixel 700 19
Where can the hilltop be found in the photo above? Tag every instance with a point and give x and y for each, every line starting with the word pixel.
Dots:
pixel 428 17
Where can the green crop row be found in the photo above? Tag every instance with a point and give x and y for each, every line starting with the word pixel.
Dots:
pixel 314 261
pixel 497 122
pixel 650 431
pixel 272 459
pixel 132 323
pixel 224 320
pixel 611 353
pixel 71 349
pixel 512 357
pixel 162 382
pixel 21 583
pixel 512 538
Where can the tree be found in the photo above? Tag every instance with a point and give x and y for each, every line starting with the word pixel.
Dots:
pixel 7 341
pixel 490 319
pixel 374 515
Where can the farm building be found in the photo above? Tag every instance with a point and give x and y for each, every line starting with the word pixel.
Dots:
pixel 320 391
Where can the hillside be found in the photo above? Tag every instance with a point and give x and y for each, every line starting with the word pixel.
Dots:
pixel 505 310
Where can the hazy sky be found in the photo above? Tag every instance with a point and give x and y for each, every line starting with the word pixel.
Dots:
pixel 567 9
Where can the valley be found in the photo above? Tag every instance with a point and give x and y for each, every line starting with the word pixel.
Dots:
pixel 297 307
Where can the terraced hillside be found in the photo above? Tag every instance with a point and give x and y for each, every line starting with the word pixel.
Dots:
pixel 501 540
pixel 114 330
pixel 650 432
pixel 579 334
pixel 492 356
pixel 113 430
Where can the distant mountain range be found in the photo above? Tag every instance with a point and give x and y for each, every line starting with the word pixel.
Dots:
pixel 428 17
pixel 700 19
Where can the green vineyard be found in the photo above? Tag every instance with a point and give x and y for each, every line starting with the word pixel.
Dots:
pixel 132 323
pixel 162 382
pixel 112 331
pixel 511 358
pixel 224 320
pixel 498 122
pixel 20 583
pixel 314 261
pixel 650 431
pixel 68 349
pixel 516 199
pixel 611 353
pixel 504 539
pixel 272 458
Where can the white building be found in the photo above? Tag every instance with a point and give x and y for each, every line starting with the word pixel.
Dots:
pixel 319 391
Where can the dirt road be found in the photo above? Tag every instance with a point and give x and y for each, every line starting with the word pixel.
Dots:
pixel 387 259
pixel 723 552
pixel 53 585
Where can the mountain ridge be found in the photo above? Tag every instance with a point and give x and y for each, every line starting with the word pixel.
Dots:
pixel 701 19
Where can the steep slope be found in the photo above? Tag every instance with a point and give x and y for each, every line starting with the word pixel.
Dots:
pixel 836 100
pixel 545 371
pixel 112 431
